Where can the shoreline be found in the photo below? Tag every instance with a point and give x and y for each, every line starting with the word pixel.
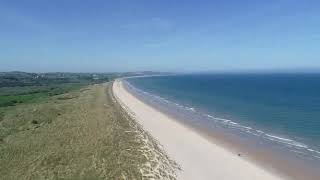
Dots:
pixel 198 156
pixel 275 161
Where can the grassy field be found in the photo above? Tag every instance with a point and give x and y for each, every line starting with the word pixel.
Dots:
pixel 82 134
pixel 20 87
pixel 10 96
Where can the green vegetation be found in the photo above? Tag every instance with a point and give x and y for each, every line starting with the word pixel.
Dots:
pixel 17 95
pixel 15 79
pixel 74 131
pixel 20 87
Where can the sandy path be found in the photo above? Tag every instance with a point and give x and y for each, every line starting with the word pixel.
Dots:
pixel 198 158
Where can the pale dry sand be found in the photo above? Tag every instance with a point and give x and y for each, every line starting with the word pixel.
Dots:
pixel 198 157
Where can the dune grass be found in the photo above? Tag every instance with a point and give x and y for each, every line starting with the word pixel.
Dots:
pixel 83 134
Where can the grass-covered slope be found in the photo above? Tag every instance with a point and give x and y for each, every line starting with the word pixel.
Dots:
pixel 83 134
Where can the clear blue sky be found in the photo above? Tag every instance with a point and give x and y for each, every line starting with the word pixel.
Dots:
pixel 167 35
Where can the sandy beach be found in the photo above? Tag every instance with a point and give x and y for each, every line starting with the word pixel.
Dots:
pixel 198 157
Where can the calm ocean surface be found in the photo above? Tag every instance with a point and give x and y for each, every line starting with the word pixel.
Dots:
pixel 280 108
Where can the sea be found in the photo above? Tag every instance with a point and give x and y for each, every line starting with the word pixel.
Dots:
pixel 278 113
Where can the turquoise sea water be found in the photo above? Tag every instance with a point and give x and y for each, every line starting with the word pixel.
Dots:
pixel 280 108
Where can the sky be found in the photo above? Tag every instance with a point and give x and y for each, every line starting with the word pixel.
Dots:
pixel 159 35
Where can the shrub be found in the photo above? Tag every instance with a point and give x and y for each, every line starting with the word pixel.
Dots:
pixel 34 122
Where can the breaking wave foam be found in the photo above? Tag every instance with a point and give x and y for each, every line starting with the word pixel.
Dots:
pixel 297 146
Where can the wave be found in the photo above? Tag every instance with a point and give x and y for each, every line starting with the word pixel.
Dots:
pixel 296 146
pixel 287 141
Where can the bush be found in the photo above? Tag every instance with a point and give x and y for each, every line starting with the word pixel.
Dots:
pixel 14 101
pixel 34 122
